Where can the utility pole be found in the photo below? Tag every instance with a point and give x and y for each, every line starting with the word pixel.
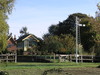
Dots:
pixel 77 37
pixel 77 22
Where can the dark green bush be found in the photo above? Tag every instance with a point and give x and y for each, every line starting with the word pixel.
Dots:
pixel 4 73
pixel 98 66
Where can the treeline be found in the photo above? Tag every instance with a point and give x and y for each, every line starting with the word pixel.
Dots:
pixel 61 36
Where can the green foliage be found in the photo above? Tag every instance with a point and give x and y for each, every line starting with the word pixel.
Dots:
pixel 67 26
pixel 98 66
pixel 6 6
pixel 52 44
pixel 3 42
pixel 4 73
pixel 87 33
pixel 20 52
pixel 39 68
pixel 5 9
pixel 59 44
pixel 68 42
pixel 97 48
pixel 23 31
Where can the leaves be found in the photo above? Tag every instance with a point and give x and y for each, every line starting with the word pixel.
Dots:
pixel 87 33
pixel 59 44
pixel 23 31
pixel 5 9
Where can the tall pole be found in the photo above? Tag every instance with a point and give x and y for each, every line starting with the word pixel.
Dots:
pixel 77 27
pixel 77 39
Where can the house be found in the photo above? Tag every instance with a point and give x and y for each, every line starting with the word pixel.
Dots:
pixel 26 43
pixel 11 47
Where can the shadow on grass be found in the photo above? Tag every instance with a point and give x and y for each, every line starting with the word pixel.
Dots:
pixel 54 71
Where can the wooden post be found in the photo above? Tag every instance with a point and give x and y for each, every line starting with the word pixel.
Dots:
pixel 71 58
pixel 54 57
pixel 92 58
pixel 81 59
pixel 60 59
pixel 7 58
pixel 15 57
pixel 50 58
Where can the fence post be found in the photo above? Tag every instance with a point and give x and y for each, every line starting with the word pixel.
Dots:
pixel 15 58
pixel 81 59
pixel 70 58
pixel 92 58
pixel 54 57
pixel 7 58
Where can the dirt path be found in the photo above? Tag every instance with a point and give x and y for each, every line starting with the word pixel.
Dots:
pixel 74 71
pixel 83 71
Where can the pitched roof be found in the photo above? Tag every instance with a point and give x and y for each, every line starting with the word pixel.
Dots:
pixel 11 39
pixel 22 38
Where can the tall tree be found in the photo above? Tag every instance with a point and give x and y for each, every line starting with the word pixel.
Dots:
pixel 68 27
pixel 96 28
pixel 5 9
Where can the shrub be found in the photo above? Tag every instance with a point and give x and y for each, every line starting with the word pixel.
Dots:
pixel 4 73
pixel 98 66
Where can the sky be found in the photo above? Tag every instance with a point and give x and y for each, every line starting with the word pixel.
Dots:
pixel 39 15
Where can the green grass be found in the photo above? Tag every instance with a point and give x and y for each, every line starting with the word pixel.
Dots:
pixel 39 68
pixel 43 65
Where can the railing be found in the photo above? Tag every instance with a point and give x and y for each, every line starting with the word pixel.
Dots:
pixel 81 58
pixel 8 58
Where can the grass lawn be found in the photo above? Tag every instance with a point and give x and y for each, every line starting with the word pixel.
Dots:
pixel 39 68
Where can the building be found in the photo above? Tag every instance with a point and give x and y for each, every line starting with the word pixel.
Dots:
pixel 26 42
pixel 11 47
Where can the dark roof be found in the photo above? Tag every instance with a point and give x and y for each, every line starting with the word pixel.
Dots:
pixel 9 37
pixel 24 36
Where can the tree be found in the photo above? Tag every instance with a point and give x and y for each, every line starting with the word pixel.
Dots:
pixel 59 44
pixel 5 9
pixel 52 44
pixel 23 31
pixel 96 28
pixel 53 29
pixel 68 27
pixel 68 42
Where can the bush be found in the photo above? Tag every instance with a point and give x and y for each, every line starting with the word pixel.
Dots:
pixel 98 66
pixel 4 73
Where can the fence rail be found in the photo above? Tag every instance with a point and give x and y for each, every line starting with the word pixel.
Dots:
pixel 8 58
pixel 39 58
pixel 81 58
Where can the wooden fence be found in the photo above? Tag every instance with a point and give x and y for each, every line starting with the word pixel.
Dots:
pixel 60 57
pixel 8 58
pixel 81 58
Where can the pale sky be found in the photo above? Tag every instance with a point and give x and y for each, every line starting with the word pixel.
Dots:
pixel 38 15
